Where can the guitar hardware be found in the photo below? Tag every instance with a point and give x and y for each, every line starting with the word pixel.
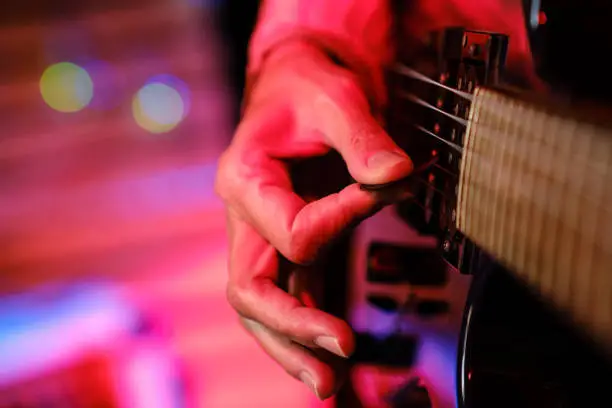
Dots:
pixel 402 69
pixel 523 318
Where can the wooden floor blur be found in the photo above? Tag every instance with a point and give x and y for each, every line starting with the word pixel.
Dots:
pixel 187 291
pixel 91 195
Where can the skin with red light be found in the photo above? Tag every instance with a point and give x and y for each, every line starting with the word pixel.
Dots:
pixel 265 215
pixel 301 104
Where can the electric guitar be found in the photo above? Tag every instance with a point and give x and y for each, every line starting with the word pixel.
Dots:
pixel 513 191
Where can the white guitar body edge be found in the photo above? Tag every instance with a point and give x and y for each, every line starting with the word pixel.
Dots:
pixel 438 337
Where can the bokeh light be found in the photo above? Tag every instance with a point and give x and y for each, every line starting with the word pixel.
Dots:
pixel 161 104
pixel 66 87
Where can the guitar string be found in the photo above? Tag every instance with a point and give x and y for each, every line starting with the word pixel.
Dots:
pixel 404 70
pixel 460 149
pixel 417 100
pixel 407 71
pixel 413 98
pixel 456 147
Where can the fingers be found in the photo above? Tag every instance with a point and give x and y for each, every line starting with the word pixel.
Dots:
pixel 301 287
pixel 261 192
pixel 253 293
pixel 298 361
pixel 282 325
pixel 265 302
pixel 372 157
pixel 255 181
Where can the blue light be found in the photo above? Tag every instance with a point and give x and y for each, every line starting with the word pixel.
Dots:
pixel 161 104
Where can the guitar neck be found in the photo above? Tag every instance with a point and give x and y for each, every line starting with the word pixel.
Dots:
pixel 514 177
pixel 535 192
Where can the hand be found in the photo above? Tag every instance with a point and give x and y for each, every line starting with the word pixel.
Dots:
pixel 303 105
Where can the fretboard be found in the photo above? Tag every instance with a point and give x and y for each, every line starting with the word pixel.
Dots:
pixel 535 191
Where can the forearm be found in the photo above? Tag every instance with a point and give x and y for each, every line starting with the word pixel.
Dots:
pixel 357 32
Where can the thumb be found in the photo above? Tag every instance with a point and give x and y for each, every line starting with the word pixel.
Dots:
pixel 371 156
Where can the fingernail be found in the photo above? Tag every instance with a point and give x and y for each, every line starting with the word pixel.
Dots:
pixel 330 344
pixel 310 383
pixel 386 159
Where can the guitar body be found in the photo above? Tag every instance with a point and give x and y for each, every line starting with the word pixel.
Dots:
pixel 440 322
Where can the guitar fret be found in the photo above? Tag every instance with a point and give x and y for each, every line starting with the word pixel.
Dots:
pixel 450 144
pixel 521 188
pixel 566 257
pixel 584 249
pixel 541 191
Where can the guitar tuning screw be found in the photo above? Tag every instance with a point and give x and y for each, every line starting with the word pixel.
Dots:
pixel 446 246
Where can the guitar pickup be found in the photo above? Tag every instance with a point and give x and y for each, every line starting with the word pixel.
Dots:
pixel 392 351
pixel 384 303
pixel 417 266
pixel 432 308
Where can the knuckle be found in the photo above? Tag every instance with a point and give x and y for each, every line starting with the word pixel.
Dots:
pixel 222 179
pixel 247 324
pixel 299 250
pixel 236 297
pixel 365 135
pixel 221 188
pixel 294 304
pixel 348 86
pixel 358 139
pixel 230 176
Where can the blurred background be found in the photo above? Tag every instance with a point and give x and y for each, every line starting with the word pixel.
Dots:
pixel 112 242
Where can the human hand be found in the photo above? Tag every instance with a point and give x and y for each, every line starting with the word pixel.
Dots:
pixel 302 106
